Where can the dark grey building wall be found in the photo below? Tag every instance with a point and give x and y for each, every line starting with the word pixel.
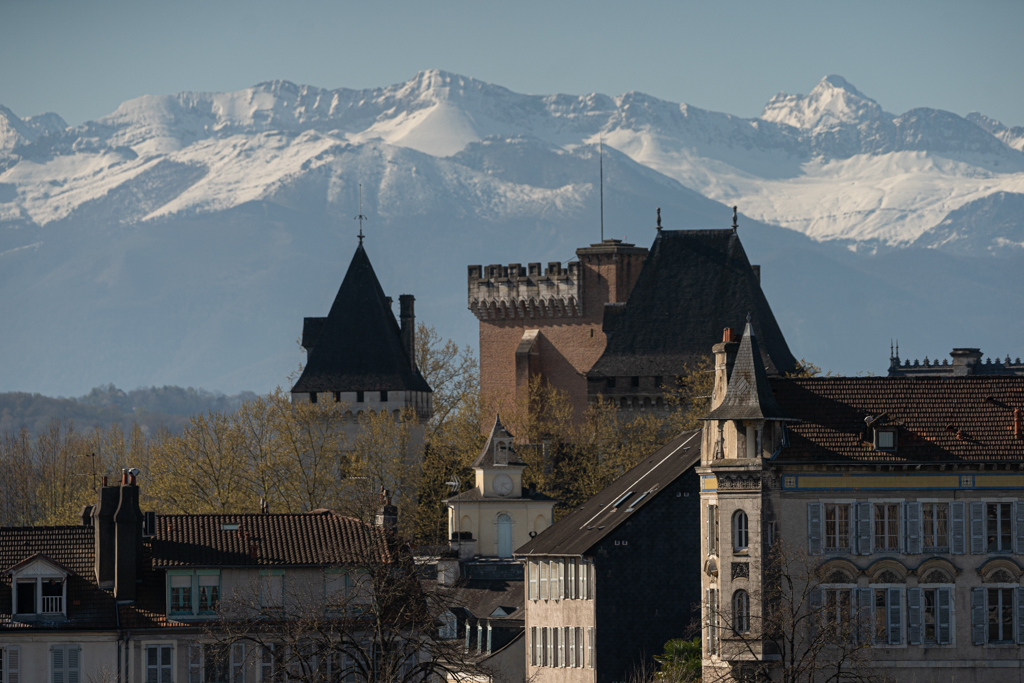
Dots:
pixel 647 590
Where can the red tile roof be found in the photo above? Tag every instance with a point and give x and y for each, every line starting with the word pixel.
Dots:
pixel 317 538
pixel 939 419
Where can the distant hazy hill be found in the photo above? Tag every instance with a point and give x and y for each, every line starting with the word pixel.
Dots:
pixel 150 408
pixel 182 239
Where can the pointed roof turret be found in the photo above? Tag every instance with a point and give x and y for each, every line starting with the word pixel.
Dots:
pixel 748 395
pixel 358 346
pixel 499 440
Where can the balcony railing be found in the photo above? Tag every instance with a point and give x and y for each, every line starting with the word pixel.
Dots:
pixel 53 604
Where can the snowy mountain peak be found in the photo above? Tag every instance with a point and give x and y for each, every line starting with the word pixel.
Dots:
pixel 13 131
pixel 832 102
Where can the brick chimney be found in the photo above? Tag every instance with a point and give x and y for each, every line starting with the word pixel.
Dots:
pixel 387 514
pixel 128 539
pixel 408 319
pixel 725 358
pixel 103 533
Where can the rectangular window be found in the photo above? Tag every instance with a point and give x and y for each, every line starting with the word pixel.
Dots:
pixel 712 530
pixel 181 593
pixel 551 661
pixel 580 650
pixel 268 663
pixel 887 527
pixel 590 647
pixel 1000 615
pixel 888 613
pixel 209 593
pixel 998 527
pixel 271 590
pixel 215 664
pixel 544 579
pixel 159 663
pixel 65 663
pixel 929 615
pixel 837 528
pixel 560 637
pixel 837 613
pixel 26 595
pixel 935 527
pixel 238 663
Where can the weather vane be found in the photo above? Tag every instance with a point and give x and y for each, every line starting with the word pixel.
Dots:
pixel 361 217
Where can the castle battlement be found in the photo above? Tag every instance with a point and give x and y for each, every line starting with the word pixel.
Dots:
pixel 499 292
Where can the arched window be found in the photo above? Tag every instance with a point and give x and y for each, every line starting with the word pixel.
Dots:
pixel 739 531
pixel 741 612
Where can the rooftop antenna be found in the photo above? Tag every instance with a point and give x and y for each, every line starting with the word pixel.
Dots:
pixel 659 220
pixel 601 166
pixel 735 224
pixel 361 217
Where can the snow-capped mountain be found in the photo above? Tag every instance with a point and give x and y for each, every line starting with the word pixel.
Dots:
pixel 245 189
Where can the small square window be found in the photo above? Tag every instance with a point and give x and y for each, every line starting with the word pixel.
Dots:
pixel 885 439
pixel 359 397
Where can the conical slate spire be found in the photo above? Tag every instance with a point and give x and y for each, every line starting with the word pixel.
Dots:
pixel 359 345
pixel 486 457
pixel 748 395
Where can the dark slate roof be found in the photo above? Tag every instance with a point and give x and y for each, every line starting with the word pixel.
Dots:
pixel 89 607
pixel 939 419
pixel 694 283
pixel 482 597
pixel 587 525
pixel 486 457
pixel 748 395
pixel 316 538
pixel 359 346
pixel 475 494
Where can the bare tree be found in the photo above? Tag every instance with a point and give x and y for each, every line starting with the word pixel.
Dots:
pixel 803 626
pixel 368 620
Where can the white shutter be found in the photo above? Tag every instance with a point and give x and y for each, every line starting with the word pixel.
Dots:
pixel 1019 508
pixel 561 579
pixel 13 664
pixel 977 528
pixel 195 663
pixel 74 654
pixel 894 613
pixel 958 545
pixel 863 511
pixel 944 615
pixel 238 663
pixel 532 568
pixel 814 528
pixel 978 616
pixel 57 661
pixel 912 543
pixel 914 616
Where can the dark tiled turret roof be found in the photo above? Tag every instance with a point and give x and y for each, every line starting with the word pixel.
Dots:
pixel 359 345
pixel 748 395
pixel 937 419
pixel 693 284
pixel 486 457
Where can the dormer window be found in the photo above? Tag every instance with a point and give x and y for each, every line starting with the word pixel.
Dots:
pixel 39 589
pixel 501 453
pixel 885 439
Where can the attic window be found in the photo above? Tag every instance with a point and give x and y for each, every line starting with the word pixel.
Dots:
pixel 384 396
pixel 359 397
pixel 229 527
pixel 885 439
pixel 500 453
pixel 312 397
pixel 622 500
pixel 634 382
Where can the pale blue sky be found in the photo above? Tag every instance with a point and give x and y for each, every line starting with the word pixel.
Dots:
pixel 82 58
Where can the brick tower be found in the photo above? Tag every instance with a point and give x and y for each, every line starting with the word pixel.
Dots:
pixel 548 322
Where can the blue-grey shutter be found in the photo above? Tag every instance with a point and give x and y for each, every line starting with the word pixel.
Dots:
pixel 978 621
pixel 57 656
pixel 944 614
pixel 1019 507
pixel 894 609
pixel 863 528
pixel 814 528
pixel 977 528
pixel 914 616
pixel 865 619
pixel 13 664
pixel 958 540
pixel 912 544
pixel 73 661
pixel 1020 614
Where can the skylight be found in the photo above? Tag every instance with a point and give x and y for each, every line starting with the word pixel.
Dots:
pixel 622 500
pixel 229 527
pixel 637 501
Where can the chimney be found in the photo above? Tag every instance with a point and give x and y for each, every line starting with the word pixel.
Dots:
pixel 964 360
pixel 757 272
pixel 86 515
pixel 103 533
pixel 387 514
pixel 725 358
pixel 408 318
pixel 128 539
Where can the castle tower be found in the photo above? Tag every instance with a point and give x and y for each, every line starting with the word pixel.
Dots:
pixel 360 355
pixel 497 516
pixel 742 431
pixel 547 322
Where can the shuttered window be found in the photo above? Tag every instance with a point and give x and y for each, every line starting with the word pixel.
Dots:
pixel 238 663
pixel 592 646
pixel 998 527
pixel 65 663
pixel 159 663
pixel 1000 615
pixel 887 527
pixel 712 529
pixel 10 665
pixel 888 614
pixel 929 616
pixel 957 541
pixel 935 527
pixel 533 646
pixel 268 663
pixel 543 579
pixel 837 528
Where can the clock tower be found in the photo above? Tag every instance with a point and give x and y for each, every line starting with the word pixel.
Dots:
pixel 497 516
